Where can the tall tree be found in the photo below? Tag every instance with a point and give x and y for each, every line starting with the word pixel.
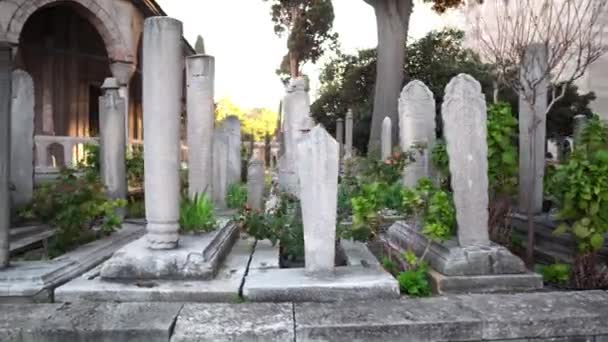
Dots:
pixel 392 20
pixel 308 26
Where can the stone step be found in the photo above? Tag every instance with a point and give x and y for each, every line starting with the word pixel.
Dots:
pixel 30 241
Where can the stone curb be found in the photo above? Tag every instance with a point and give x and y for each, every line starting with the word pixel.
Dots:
pixel 549 316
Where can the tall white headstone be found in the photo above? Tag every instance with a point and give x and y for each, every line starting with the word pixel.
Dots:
pixel 464 119
pixel 22 139
pixel 200 72
pixel 533 69
pixel 232 129
pixel 348 137
pixel 220 166
pixel 6 67
pixel 417 129
pixel 387 138
pixel 318 164
pixel 163 66
pixel 112 111
pixel 296 121
pixel 255 184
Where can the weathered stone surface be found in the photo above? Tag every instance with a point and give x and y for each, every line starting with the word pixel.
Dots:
pixel 387 138
pixel 35 280
pixel 148 322
pixel 223 288
pixel 450 259
pixel 420 320
pixel 256 184
pixel 162 105
pixel 464 120
pixel 265 256
pixel 232 129
pixel 533 68
pixel 6 66
pixel 493 283
pixel 220 167
pixel 318 166
pixel 348 135
pixel 112 149
pixel 296 285
pixel 357 254
pixel 235 322
pixel 296 120
pixel 22 139
pixel 200 71
pixel 340 135
pixel 417 129
pixel 197 257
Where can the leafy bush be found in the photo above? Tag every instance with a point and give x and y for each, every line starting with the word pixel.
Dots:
pixel 92 160
pixel 135 167
pixel 236 196
pixel 556 273
pixel 197 214
pixel 502 150
pixel 77 207
pixel 387 171
pixel 441 163
pixel 415 281
pixel 434 207
pixel 580 186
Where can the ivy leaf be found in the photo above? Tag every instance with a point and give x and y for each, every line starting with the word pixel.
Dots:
pixel 597 241
pixel 580 231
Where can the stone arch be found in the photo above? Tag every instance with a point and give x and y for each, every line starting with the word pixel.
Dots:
pixel 98 16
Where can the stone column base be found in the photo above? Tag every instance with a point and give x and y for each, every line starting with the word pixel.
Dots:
pixel 196 257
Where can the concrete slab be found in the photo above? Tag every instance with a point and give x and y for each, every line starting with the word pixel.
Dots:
pixel 224 287
pixel 197 257
pixel 357 254
pixel 431 319
pixel 149 322
pixel 36 280
pixel 266 322
pixel 265 256
pixel 295 285
pixel 494 283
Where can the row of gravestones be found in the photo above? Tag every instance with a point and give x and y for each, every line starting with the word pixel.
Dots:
pixel 310 162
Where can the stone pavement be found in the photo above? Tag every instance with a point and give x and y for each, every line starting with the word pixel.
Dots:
pixel 548 316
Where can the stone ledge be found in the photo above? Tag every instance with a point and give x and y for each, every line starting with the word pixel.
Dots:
pixel 36 280
pixel 539 317
pixel 224 287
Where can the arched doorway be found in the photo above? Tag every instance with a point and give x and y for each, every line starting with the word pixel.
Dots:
pixel 67 58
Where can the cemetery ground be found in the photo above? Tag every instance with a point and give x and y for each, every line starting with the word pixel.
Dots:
pixel 419 243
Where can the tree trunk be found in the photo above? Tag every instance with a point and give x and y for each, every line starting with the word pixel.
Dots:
pixel 392 18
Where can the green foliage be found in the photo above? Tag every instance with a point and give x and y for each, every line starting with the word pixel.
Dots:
pixel 556 273
pixel 308 24
pixel 236 197
pixel 389 265
pixel 415 281
pixel 256 123
pixel 135 167
pixel 197 214
pixel 348 81
pixel 435 207
pixel 387 171
pixel 502 152
pixel 92 160
pixel 136 208
pixel 580 186
pixel 77 207
pixel 560 120
pixel 441 162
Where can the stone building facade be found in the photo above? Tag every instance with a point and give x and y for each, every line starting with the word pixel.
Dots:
pixel 69 48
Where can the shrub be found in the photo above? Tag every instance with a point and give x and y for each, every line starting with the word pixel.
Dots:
pixel 135 167
pixel 556 273
pixel 197 214
pixel 434 207
pixel 415 281
pixel 236 196
pixel 77 207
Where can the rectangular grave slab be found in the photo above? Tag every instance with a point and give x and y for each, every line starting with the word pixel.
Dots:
pixel 197 257
pixel 362 278
pixel 223 288
pixel 266 322
pixel 36 280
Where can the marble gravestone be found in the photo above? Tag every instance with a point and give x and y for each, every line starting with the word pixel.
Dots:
pixel 386 138
pixel 417 130
pixel 255 184
pixel 232 129
pixel 348 135
pixel 22 139
pixel 220 167
pixel 318 165
pixel 296 121
pixel 470 262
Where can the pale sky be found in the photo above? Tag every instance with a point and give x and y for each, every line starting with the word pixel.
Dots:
pixel 239 33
